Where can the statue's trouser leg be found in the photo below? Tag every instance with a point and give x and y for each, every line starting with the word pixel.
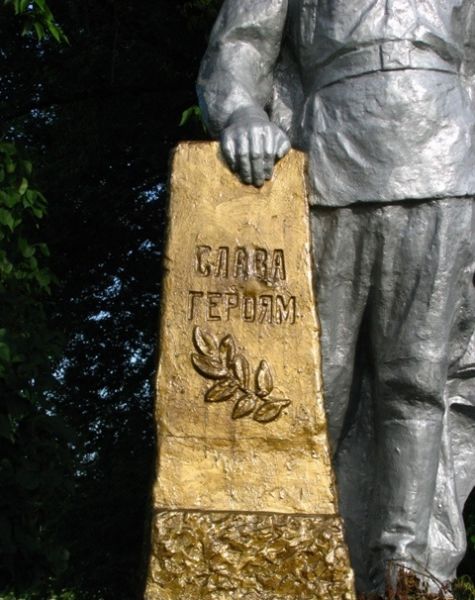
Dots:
pixel 343 257
pixel 406 266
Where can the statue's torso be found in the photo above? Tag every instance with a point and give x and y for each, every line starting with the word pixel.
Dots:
pixel 320 30
pixel 387 113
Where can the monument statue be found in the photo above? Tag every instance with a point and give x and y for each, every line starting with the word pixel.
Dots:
pixel 380 95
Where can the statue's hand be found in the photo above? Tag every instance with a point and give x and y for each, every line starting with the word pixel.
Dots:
pixel 252 144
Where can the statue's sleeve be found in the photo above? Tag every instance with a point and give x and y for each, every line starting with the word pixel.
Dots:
pixel 237 70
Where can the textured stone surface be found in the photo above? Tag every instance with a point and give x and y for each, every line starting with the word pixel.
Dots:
pixel 248 556
pixel 239 405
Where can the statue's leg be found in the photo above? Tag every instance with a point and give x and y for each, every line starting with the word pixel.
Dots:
pixel 456 474
pixel 340 253
pixel 343 249
pixel 419 281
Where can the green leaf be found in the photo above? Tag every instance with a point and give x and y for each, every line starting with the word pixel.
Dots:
pixel 28 166
pixel 10 199
pixel 55 32
pixel 43 248
pixel 43 278
pixel 7 267
pixel 25 248
pixel 10 166
pixel 38 212
pixel 193 112
pixel 29 198
pixel 39 30
pixel 32 263
pixel 23 186
pixel 7 219
pixel 7 148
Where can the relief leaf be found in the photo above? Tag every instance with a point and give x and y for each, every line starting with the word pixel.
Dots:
pixel 241 370
pixel 270 411
pixel 264 383
pixel 221 391
pixel 211 368
pixel 244 406
pixel 204 342
pixel 227 349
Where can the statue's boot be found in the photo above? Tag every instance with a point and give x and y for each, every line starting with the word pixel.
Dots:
pixel 406 471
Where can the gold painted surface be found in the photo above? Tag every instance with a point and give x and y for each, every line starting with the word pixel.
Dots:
pixel 231 556
pixel 231 244
pixel 239 404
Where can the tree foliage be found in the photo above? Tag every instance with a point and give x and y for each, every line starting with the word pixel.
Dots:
pixel 33 442
pixel 99 117
pixel 34 456
pixel 38 18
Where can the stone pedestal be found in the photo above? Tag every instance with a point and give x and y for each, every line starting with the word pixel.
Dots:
pixel 244 499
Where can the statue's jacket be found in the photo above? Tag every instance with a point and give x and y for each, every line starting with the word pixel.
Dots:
pixel 378 92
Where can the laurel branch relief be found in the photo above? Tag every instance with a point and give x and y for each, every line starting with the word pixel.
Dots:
pixel 221 362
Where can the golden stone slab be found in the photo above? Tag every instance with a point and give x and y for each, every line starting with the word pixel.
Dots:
pixel 244 498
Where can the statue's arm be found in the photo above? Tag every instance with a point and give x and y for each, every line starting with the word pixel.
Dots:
pixel 235 85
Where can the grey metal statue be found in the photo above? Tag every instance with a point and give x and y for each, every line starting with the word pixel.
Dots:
pixel 379 93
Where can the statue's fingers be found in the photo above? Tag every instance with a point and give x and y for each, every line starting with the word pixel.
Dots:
pixel 243 160
pixel 282 145
pixel 269 153
pixel 257 156
pixel 228 148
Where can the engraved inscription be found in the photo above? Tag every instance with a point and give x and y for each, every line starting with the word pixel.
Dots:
pixel 241 263
pixel 222 306
pixel 221 362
